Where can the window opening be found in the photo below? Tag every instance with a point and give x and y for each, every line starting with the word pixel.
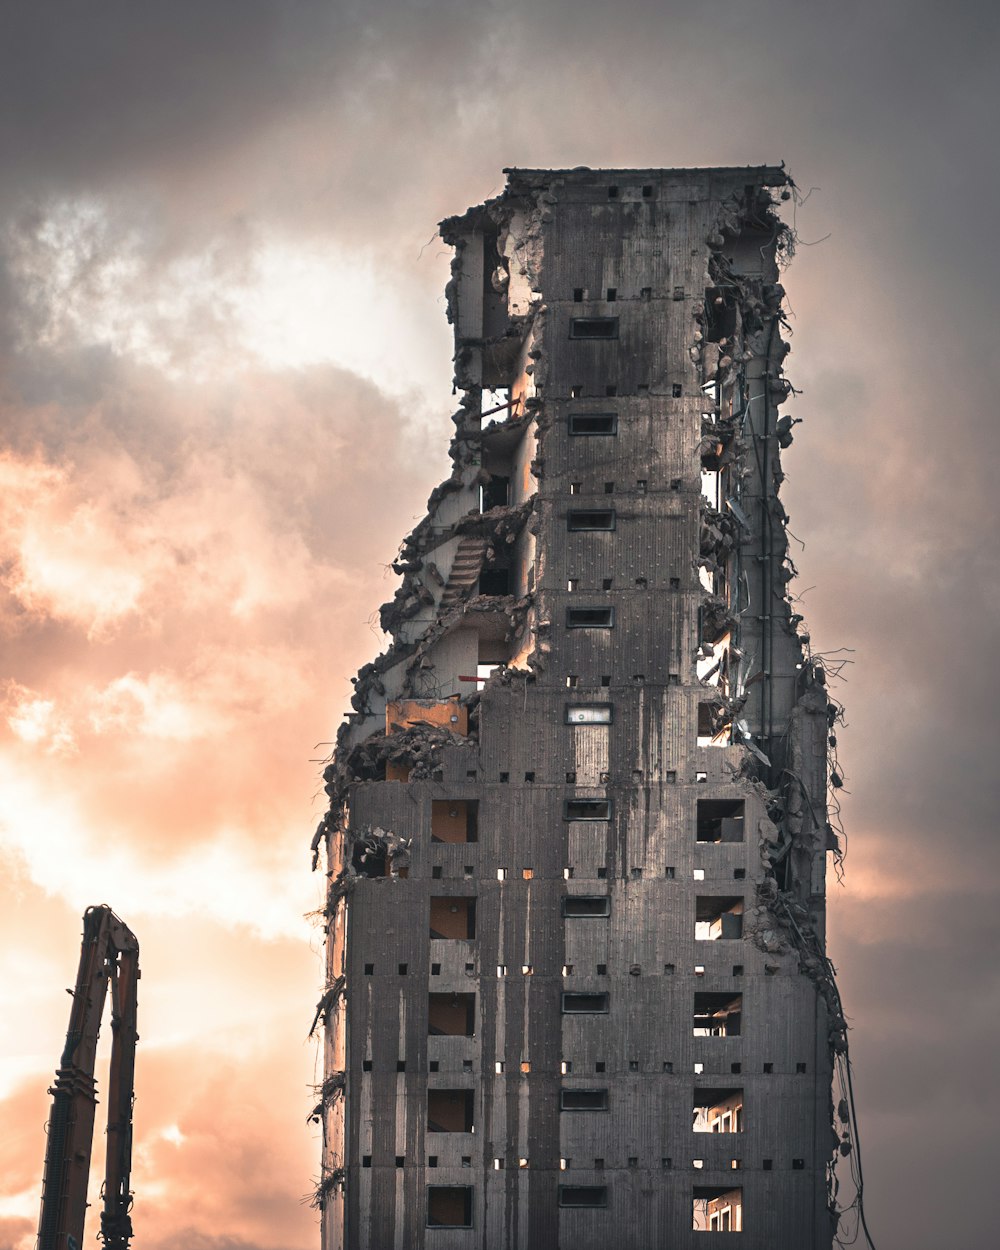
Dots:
pixel 449 1206
pixel 451 1015
pixel 718 1110
pixel 575 1003
pixel 588 713
pixel 593 327
pixel 590 618
pixel 452 918
pixel 720 820
pixel 717 1209
pixel 450 1110
pixel 585 520
pixel 714 725
pixel 454 820
pixel 586 905
pixel 587 809
pixel 589 423
pixel 717 1014
pixel 718 917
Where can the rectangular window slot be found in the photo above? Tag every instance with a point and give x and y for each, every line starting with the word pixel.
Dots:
pixel 449 1206
pixel 574 1003
pixel 593 328
pixel 453 918
pixel 590 618
pixel 588 423
pixel 718 1110
pixel 716 1209
pixel 454 820
pixel 586 905
pixel 720 820
pixel 450 1110
pixel 588 713
pixel 717 1014
pixel 587 809
pixel 583 1195
pixel 587 520
pixel 718 917
pixel 583 1100
pixel 451 1015
pixel 612 294
pixel 578 294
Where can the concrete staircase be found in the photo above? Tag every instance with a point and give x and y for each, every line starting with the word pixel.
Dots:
pixel 464 572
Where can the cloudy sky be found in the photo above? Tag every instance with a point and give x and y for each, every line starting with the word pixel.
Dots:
pixel 225 396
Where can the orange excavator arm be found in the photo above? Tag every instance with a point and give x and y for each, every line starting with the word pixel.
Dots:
pixel 109 955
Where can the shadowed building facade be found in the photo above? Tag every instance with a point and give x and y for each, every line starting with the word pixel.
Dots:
pixel 577 989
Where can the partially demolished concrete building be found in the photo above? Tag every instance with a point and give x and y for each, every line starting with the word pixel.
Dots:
pixel 577 988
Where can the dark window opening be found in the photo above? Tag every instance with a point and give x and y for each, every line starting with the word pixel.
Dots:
pixel 587 809
pixel 717 1014
pixel 495 581
pixel 583 1100
pixel 720 313
pixel 450 1110
pixel 451 1015
pixel 717 1209
pixel 593 423
pixel 612 294
pixel 453 918
pixel 588 713
pixel 578 295
pixel 580 520
pixel 586 905
pixel 590 618
pixel 585 1004
pixel 583 1195
pixel 496 493
pixel 449 1206
pixel 400 1160
pixel 718 1111
pixel 647 193
pixel 718 917
pixel 454 820
pixel 366 1161
pixel 720 820
pixel 593 328
pixel 612 193
pixel 610 391
pixel 714 725
pixel 370 858
pixel 676 390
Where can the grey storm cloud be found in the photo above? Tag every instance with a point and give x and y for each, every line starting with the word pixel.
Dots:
pixel 215 125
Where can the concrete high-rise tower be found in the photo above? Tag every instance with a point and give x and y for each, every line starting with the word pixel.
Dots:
pixel 577 991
